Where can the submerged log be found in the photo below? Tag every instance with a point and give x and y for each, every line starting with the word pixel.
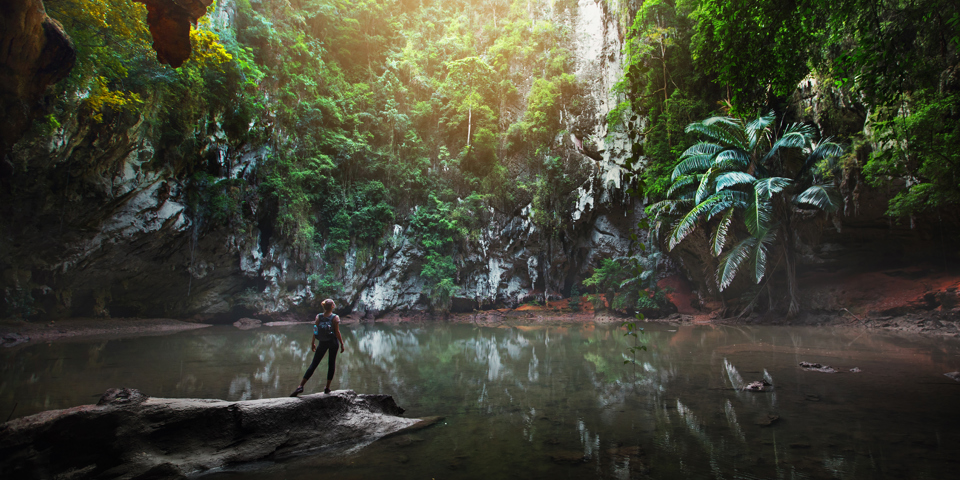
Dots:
pixel 129 435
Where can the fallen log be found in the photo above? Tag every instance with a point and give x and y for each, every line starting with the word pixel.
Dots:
pixel 128 435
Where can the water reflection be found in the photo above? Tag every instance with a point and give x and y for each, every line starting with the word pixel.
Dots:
pixel 536 401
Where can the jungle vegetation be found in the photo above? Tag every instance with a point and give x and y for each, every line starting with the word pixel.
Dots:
pixel 873 84
pixel 420 112
pixel 369 113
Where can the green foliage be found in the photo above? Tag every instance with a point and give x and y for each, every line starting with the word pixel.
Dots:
pixel 19 303
pixel 652 301
pixel 628 283
pixel 898 58
pixel 607 276
pixel 362 110
pixel 576 300
pixel 436 232
pixel 661 83
pixel 420 103
pixel 747 180
pixel 217 200
pixel 756 49
pixel 325 285
pixel 923 146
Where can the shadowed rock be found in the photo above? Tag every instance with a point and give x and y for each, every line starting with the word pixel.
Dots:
pixel 129 435
pixel 35 52
pixel 169 22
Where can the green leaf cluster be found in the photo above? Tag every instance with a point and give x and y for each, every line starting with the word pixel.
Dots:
pixel 751 186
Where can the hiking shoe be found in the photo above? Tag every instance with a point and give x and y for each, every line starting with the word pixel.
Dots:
pixel 296 392
pixel 326 390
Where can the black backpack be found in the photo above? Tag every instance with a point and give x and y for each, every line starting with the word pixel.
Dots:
pixel 323 330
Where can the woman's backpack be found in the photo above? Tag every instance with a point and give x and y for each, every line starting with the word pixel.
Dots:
pixel 323 329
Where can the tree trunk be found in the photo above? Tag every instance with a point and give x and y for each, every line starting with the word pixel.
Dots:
pixel 546 275
pixel 793 292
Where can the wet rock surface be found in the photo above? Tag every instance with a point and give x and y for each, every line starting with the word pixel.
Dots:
pixel 758 386
pixel 129 435
pixel 816 367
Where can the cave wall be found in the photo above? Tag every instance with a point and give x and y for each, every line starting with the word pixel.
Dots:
pixel 34 53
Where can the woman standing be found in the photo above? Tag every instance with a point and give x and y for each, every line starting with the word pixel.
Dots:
pixel 326 333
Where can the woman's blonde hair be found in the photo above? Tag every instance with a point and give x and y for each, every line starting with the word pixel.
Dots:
pixel 328 305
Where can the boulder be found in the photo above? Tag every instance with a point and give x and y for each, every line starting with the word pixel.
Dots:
pixel 129 435
pixel 169 22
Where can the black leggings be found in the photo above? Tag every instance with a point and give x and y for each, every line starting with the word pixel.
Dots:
pixel 321 351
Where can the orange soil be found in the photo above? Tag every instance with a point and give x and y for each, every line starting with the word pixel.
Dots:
pixel 881 292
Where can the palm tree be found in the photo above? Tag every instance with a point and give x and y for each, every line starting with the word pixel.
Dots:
pixel 743 175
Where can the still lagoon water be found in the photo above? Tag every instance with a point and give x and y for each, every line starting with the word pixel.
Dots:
pixel 558 401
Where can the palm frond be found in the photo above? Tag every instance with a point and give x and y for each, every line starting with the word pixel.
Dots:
pixel 725 130
pixel 680 183
pixel 720 235
pixel 694 164
pixel 732 159
pixel 732 261
pixel 760 254
pixel 728 199
pixel 669 207
pixel 824 197
pixel 824 149
pixel 758 214
pixel 725 200
pixel 731 179
pixel 688 223
pixel 706 180
pixel 797 135
pixel 769 186
pixel 702 148
pixel 757 127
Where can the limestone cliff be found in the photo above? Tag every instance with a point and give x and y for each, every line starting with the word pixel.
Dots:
pixel 91 227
